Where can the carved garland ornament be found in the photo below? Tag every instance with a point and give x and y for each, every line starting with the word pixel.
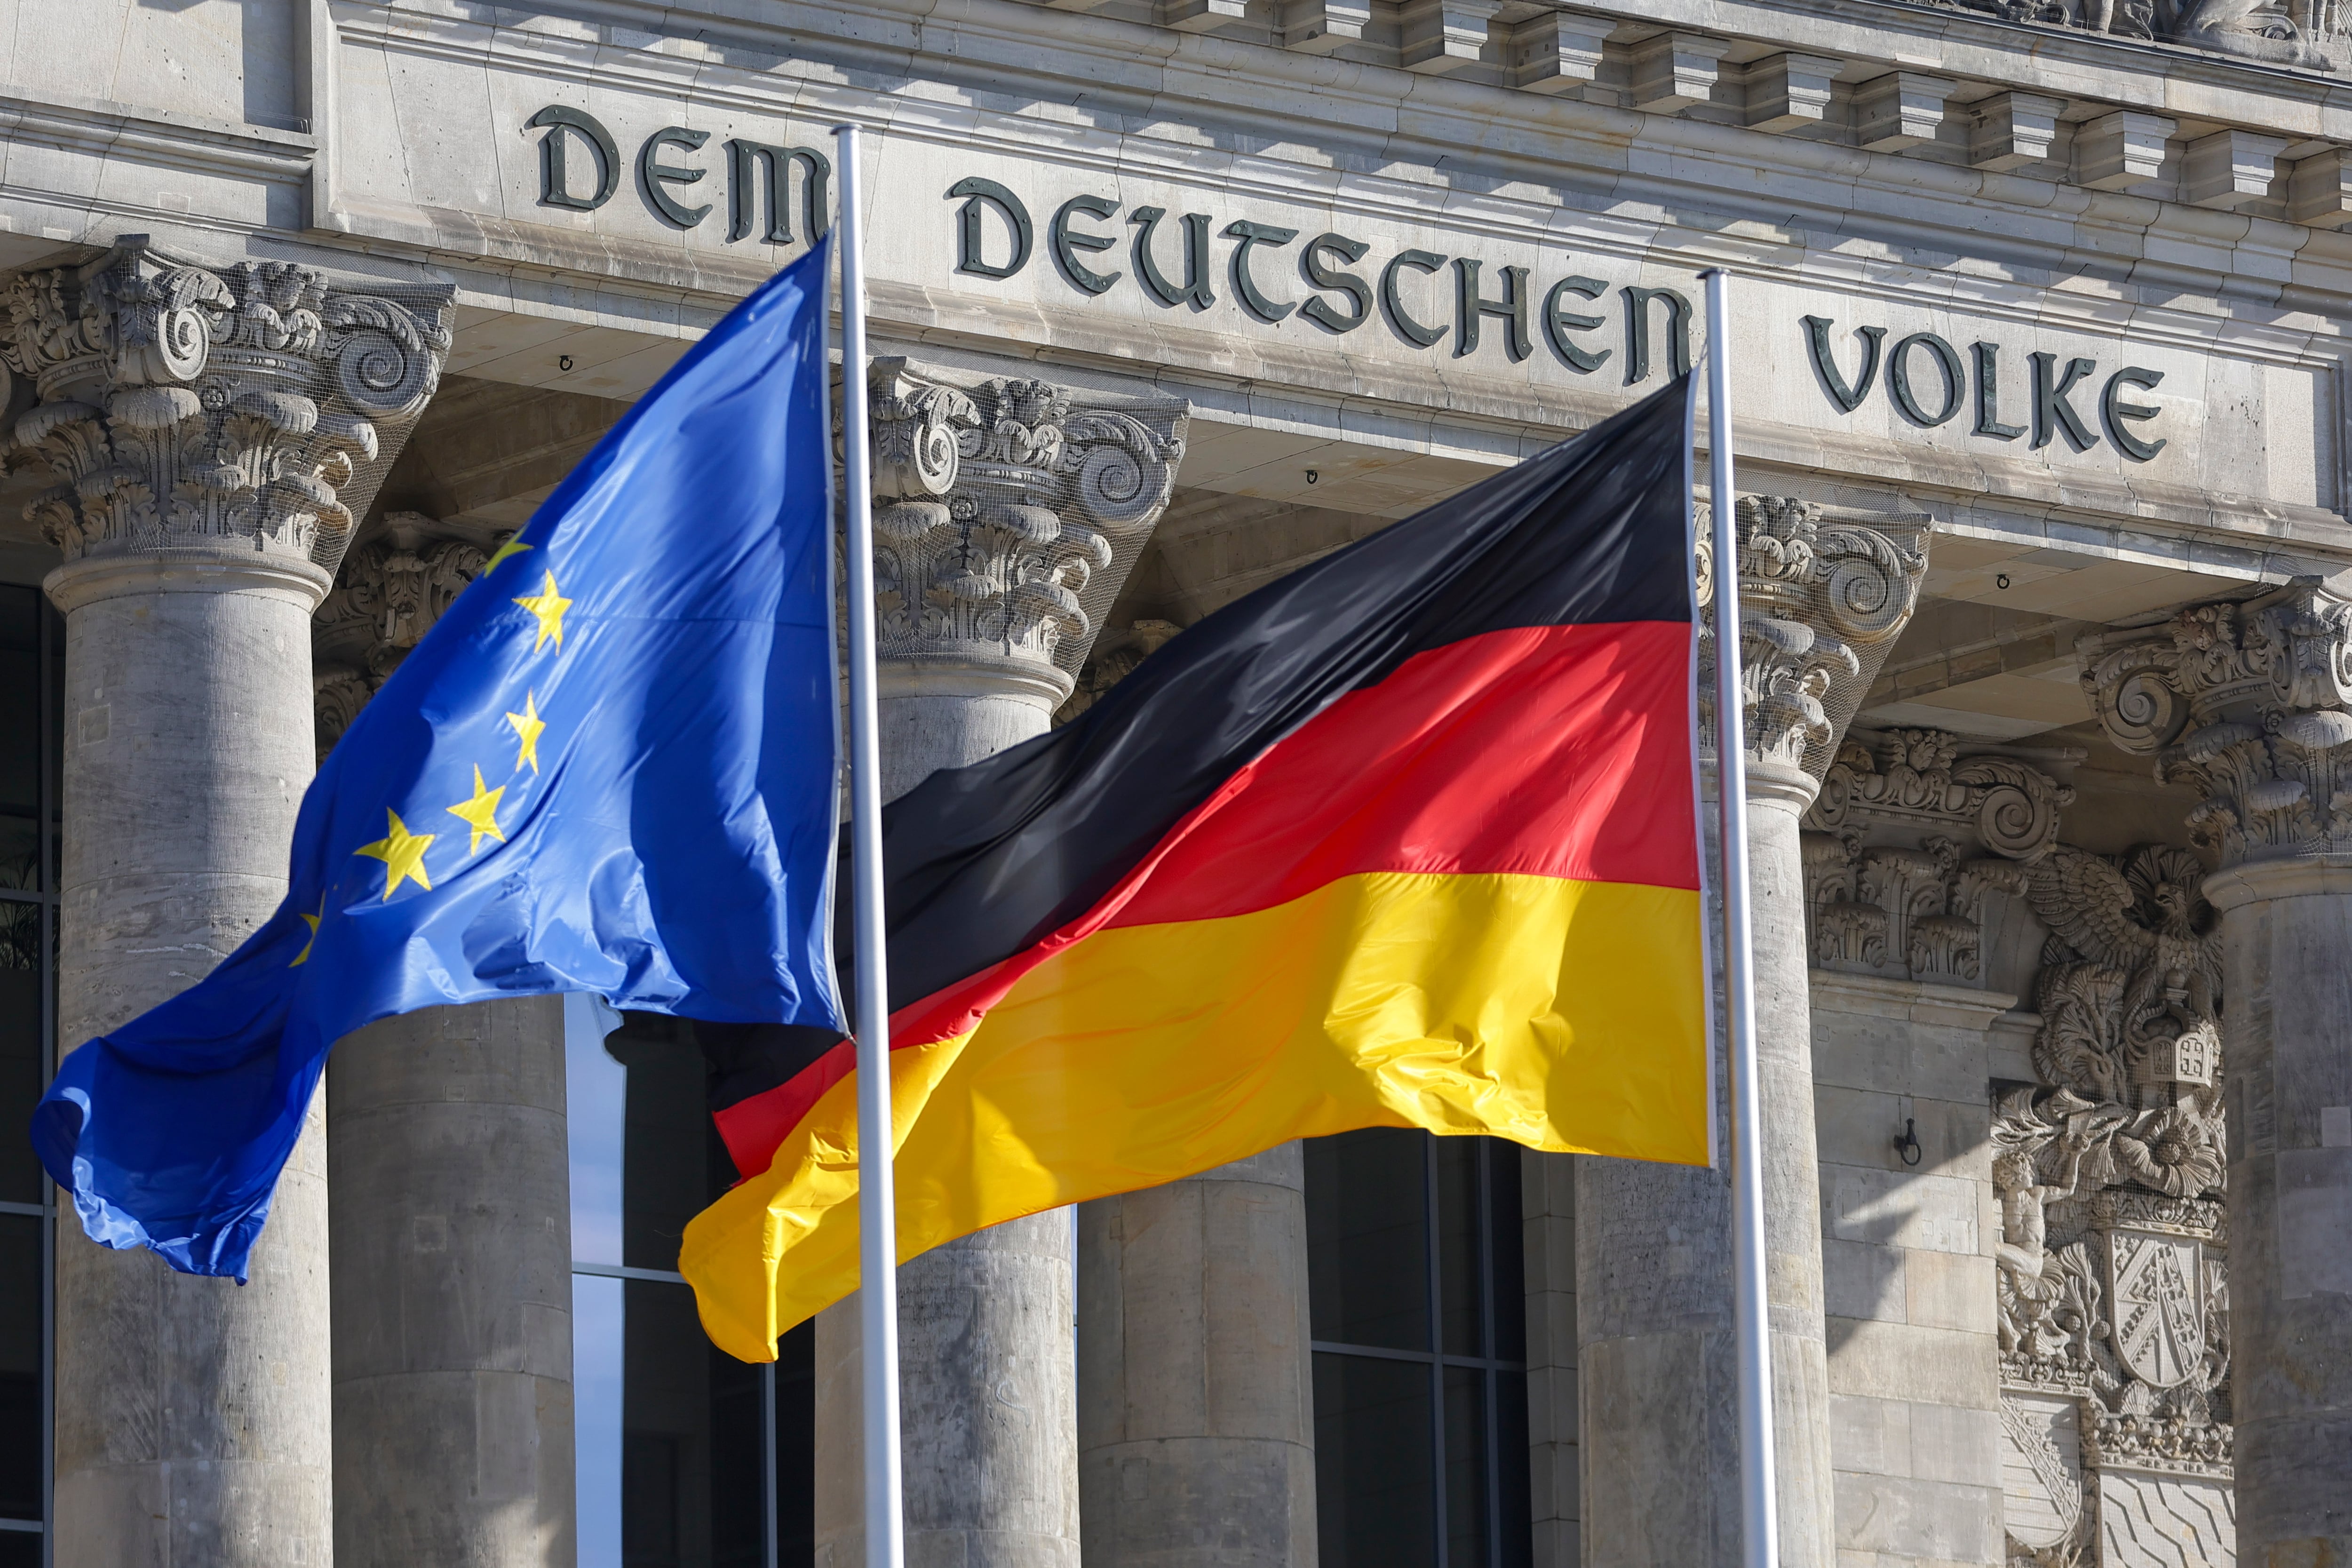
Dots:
pixel 225 409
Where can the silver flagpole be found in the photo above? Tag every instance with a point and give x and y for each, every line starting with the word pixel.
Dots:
pixel 1759 1522
pixel 877 1262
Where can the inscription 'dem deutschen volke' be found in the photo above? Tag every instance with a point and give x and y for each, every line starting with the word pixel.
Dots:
pixel 1170 259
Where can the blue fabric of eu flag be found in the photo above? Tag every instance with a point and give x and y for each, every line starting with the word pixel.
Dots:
pixel 611 767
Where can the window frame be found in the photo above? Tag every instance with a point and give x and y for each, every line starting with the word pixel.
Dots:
pixel 1439 1361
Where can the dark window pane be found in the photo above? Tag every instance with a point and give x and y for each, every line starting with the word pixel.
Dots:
pixel 1372 1463
pixel 1508 1250
pixel 20 1549
pixel 673 1165
pixel 20 700
pixel 1367 1256
pixel 20 1367
pixel 1460 1269
pixel 21 1054
pixel 796 1447
pixel 690 1495
pixel 1467 1502
pixel 1511 1476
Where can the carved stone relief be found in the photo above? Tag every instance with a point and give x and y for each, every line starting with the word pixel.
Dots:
pixel 1116 654
pixel 1907 845
pixel 2252 704
pixel 2113 1309
pixel 2295 33
pixel 239 412
pixel 391 592
pixel 1823 598
pixel 1006 516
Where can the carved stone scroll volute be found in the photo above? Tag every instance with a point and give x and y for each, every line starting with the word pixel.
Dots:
pixel 1899 877
pixel 242 414
pixel 1822 597
pixel 2249 703
pixel 1007 513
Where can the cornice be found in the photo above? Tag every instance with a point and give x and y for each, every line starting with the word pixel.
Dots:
pixel 99 127
pixel 1063 81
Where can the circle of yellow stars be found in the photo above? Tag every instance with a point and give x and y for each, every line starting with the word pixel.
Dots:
pixel 402 850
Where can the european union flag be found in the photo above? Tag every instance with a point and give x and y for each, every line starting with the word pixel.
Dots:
pixel 610 768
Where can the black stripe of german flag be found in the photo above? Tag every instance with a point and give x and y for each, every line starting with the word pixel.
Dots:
pixel 1404 838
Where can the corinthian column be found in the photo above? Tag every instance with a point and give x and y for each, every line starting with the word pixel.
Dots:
pixel 2252 704
pixel 450 1196
pixel 1008 514
pixel 213 433
pixel 1821 602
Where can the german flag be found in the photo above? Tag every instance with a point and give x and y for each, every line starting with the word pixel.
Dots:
pixel 1406 838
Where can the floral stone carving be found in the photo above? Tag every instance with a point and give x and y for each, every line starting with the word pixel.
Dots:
pixel 237 411
pixel 391 592
pixel 1822 600
pixel 2112 1305
pixel 2251 703
pixel 1008 515
pixel 1916 907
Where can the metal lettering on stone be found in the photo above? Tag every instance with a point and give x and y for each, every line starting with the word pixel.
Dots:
pixel 1006 512
pixel 2111 1273
pixel 236 411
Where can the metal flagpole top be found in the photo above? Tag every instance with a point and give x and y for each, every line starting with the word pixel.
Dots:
pixel 878 1296
pixel 1760 1524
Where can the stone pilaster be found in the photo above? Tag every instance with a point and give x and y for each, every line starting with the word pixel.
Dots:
pixel 449 1195
pixel 1920 853
pixel 1823 599
pixel 213 432
pixel 2251 703
pixel 1007 513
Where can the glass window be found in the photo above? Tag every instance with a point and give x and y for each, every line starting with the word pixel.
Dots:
pixel 32 669
pixel 687 1458
pixel 1417 1300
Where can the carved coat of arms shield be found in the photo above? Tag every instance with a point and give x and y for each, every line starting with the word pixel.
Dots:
pixel 2159 1309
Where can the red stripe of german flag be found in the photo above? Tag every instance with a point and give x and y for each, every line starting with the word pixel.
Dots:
pixel 1406 838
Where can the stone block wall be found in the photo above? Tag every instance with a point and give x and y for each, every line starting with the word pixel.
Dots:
pixel 1907 1270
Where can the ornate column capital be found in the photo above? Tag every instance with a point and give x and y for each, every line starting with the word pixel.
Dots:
pixel 2251 703
pixel 1913 833
pixel 1009 512
pixel 198 416
pixel 388 596
pixel 1823 596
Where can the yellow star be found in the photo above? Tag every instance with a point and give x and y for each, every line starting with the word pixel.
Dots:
pixel 303 957
pixel 402 854
pixel 512 547
pixel 549 607
pixel 528 724
pixel 481 813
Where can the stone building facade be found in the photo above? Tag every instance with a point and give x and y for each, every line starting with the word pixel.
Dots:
pixel 2039 358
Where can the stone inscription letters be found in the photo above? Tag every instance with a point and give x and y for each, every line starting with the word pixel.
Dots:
pixel 1337 292
pixel 1928 382
pixel 1338 284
